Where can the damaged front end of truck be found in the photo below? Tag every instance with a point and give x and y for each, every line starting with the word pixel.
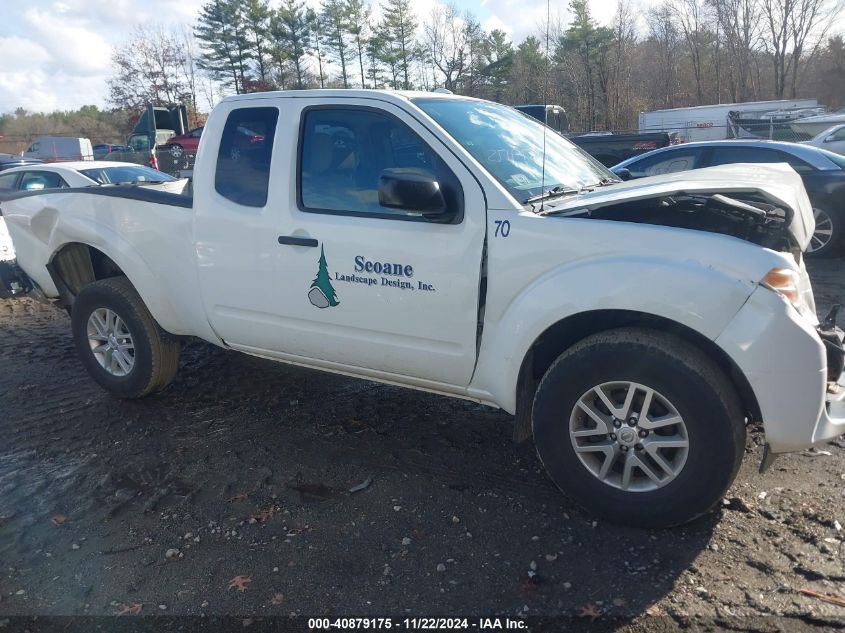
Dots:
pixel 765 205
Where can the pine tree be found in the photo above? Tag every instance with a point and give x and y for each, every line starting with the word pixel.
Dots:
pixel 375 55
pixel 322 282
pixel 213 32
pixel 400 28
pixel 291 29
pixel 336 22
pixel 257 23
pixel 316 36
pixel 358 16
pixel 225 50
pixel 497 55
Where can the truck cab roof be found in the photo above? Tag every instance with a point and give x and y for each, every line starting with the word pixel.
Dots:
pixel 395 96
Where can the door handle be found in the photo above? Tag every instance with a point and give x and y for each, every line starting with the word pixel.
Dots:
pixel 293 240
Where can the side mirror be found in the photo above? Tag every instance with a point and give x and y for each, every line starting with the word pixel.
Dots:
pixel 623 172
pixel 412 190
pixel 830 138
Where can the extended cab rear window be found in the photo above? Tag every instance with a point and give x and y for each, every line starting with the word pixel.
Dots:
pixel 243 160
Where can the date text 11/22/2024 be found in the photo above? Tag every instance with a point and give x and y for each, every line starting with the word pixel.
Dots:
pixel 417 624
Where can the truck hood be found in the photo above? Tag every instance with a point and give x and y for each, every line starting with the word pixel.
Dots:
pixel 777 184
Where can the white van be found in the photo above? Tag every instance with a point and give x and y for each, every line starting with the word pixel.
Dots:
pixel 60 148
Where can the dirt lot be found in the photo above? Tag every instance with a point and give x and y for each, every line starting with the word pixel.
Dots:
pixel 246 468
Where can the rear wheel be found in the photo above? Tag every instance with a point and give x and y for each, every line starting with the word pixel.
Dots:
pixel 639 427
pixel 828 232
pixel 119 342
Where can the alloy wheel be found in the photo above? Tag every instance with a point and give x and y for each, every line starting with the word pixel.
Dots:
pixel 111 342
pixel 629 436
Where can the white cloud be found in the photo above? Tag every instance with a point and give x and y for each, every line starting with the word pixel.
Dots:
pixel 55 54
pixel 74 46
pixel 20 53
pixel 39 91
pixel 494 22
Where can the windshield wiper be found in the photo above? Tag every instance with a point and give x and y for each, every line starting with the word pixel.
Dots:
pixel 554 192
pixel 607 181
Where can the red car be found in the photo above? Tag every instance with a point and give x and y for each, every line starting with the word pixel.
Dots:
pixel 190 142
pixel 184 142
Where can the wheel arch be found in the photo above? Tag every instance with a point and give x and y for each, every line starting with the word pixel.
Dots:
pixel 561 335
pixel 76 264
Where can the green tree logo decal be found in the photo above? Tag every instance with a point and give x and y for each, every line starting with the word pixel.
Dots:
pixel 322 293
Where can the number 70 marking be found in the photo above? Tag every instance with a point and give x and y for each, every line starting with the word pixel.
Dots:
pixel 503 228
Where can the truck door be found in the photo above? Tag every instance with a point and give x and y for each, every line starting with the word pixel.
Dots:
pixel 349 283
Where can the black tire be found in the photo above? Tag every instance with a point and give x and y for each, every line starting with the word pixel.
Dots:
pixel 156 355
pixel 694 384
pixel 837 224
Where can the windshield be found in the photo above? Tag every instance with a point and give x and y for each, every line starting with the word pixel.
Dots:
pixel 509 145
pixel 125 174
pixel 836 159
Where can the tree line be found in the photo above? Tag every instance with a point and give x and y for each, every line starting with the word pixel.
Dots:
pixel 19 128
pixel 676 53
pixel 248 46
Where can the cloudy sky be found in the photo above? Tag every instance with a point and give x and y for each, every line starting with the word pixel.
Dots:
pixel 54 54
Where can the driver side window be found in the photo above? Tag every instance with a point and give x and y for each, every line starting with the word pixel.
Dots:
pixel 343 151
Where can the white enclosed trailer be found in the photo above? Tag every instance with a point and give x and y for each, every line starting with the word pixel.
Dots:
pixel 712 122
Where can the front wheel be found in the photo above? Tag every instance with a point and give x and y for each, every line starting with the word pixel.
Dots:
pixel 118 341
pixel 639 427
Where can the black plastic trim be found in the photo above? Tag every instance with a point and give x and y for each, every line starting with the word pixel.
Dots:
pixel 126 192
pixel 65 293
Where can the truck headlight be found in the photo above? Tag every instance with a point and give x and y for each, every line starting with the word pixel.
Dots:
pixel 784 281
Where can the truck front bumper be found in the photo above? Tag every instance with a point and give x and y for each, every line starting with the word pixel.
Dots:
pixel 784 359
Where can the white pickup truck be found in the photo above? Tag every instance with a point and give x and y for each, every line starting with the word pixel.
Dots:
pixel 457 246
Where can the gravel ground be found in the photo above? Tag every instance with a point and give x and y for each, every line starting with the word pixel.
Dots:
pixel 256 489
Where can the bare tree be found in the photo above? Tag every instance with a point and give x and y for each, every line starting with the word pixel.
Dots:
pixel 691 15
pixel 188 66
pixel 794 29
pixel 624 27
pixel 740 22
pixel 153 66
pixel 664 34
pixel 447 43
